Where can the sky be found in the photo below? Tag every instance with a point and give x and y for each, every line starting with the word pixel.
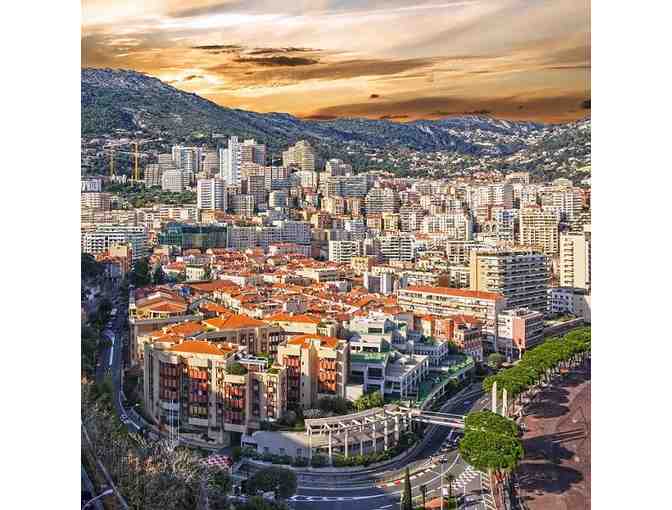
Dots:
pixel 394 59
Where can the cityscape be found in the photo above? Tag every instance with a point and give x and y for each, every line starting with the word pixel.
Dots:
pixel 354 310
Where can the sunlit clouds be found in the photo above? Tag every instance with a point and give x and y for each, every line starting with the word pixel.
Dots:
pixel 381 59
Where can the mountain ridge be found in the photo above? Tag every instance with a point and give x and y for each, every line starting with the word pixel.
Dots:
pixel 115 99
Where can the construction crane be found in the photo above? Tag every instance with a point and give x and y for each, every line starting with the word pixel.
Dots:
pixel 136 172
pixel 136 158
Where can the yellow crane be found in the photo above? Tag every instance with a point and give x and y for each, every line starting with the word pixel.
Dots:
pixel 136 159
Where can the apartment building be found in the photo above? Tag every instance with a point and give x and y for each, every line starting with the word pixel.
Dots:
pixel 575 259
pixel 235 155
pixel 456 226
pixel 399 247
pixel 102 237
pixel 569 202
pixel 176 180
pixel 301 154
pixel 96 200
pixel 212 389
pixel 243 205
pixel 342 252
pixel 211 194
pixel 317 366
pixel 519 329
pixel 256 336
pixel 153 174
pixel 382 200
pixel 539 229
pixel 520 276
pixel 448 302
pixel 336 167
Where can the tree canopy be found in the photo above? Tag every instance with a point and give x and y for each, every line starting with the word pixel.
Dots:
pixel 490 442
pixel 369 401
pixel 140 275
pixel 536 362
pixel 281 480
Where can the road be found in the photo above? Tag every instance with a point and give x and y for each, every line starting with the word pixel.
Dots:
pixel 381 489
pixel 366 490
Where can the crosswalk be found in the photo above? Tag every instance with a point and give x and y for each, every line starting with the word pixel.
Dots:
pixel 486 492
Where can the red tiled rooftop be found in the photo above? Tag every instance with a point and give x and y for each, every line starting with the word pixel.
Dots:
pixel 198 347
pixel 449 291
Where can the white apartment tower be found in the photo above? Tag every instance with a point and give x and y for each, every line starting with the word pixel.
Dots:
pixel 231 158
pixel 211 194
pixel 575 259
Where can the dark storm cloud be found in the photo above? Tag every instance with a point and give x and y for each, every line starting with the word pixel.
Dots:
pixel 374 96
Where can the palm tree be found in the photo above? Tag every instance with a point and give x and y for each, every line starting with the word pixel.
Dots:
pixel 450 478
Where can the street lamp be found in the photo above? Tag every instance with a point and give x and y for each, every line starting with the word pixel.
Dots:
pixel 443 461
pixel 101 495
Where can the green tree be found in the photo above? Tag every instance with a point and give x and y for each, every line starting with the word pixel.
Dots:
pixel 450 478
pixel 407 499
pixel 158 276
pixel 423 491
pixel 369 401
pixel 495 360
pixel 280 480
pixel 90 267
pixel 140 275
pixel 491 442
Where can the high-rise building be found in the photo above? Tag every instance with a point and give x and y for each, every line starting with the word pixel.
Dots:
pixel 575 259
pixel 569 202
pixel 334 167
pixel 397 247
pixel 243 205
pixel 457 226
pixel 210 164
pixel 231 158
pixel 96 200
pixel 187 158
pixel 153 173
pixel 301 155
pixel 382 200
pixel 211 194
pixel 176 180
pixel 539 229
pixel 520 276
pixel 102 237
pixel 92 185
pixel 342 252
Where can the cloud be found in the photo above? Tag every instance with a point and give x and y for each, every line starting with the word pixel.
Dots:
pixel 193 77
pixel 585 104
pixel 374 96
pixel 553 109
pixel 217 47
pixel 273 51
pixel 279 60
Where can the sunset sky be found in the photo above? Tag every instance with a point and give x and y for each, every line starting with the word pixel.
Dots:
pixel 397 59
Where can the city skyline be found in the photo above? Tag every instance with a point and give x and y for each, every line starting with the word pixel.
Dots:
pixel 394 60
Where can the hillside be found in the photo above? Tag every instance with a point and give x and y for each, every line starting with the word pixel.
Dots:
pixel 118 101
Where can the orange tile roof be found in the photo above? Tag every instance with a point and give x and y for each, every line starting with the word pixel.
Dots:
pixel 198 347
pixel 164 306
pixel 212 285
pixel 235 321
pixel 286 317
pixel 449 291
pixel 185 328
pixel 328 341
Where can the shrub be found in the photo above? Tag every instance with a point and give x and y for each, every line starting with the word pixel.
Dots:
pixel 319 461
pixel 300 462
pixel 273 479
